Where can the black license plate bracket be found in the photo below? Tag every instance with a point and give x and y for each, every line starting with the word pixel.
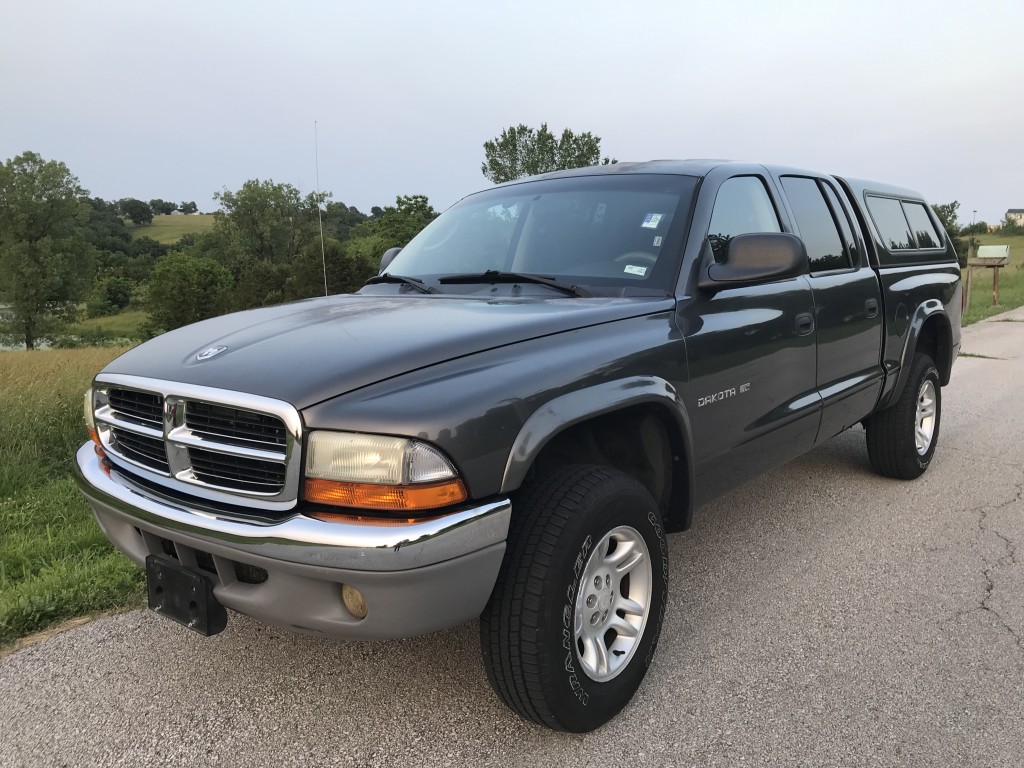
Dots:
pixel 184 596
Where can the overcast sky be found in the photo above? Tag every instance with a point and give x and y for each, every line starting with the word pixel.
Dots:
pixel 178 100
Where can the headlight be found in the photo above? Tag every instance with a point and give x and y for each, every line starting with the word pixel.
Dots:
pixel 379 472
pixel 90 421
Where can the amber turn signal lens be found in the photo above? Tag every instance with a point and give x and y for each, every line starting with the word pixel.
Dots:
pixel 94 436
pixel 387 498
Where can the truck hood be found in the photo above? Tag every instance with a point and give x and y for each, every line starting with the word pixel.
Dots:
pixel 310 351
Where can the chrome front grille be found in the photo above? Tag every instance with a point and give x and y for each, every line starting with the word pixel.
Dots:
pixel 211 443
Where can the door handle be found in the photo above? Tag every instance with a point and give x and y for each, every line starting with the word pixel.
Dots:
pixel 804 323
pixel 871 307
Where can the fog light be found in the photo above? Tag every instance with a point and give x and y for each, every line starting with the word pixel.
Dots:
pixel 354 601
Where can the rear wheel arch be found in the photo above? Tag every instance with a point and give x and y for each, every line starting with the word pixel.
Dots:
pixel 935 339
pixel 930 332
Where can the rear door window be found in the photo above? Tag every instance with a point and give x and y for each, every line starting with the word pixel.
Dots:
pixel 845 225
pixel 818 229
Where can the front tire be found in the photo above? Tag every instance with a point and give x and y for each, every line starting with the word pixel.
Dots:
pixel 901 439
pixel 574 619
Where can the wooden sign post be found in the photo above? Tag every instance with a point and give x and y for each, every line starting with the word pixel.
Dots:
pixel 993 257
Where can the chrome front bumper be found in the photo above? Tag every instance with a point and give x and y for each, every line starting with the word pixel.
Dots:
pixel 416 576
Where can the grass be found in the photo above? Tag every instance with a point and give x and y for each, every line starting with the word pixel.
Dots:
pixel 1011 281
pixel 55 563
pixel 170 229
pixel 127 324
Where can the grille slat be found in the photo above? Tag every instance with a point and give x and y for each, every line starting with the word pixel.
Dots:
pixel 237 473
pixel 143 407
pixel 143 449
pixel 234 425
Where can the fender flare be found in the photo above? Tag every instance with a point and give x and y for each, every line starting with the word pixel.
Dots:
pixel 562 412
pixel 924 312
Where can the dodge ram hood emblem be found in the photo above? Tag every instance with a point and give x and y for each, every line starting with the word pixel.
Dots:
pixel 209 352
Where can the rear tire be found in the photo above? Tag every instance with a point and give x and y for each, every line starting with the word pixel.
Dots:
pixel 901 439
pixel 573 622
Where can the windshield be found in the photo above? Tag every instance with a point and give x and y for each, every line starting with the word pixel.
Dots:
pixel 615 231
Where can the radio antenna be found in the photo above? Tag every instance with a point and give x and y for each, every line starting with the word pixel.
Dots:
pixel 319 216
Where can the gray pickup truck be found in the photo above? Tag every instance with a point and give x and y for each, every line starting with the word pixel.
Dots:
pixel 506 422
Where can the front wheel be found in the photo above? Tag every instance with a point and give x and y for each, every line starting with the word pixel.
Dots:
pixel 901 439
pixel 574 619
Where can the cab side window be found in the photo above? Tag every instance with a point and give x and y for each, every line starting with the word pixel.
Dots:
pixel 742 206
pixel 924 230
pixel 891 223
pixel 818 227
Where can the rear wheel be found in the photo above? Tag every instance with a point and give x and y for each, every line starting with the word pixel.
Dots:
pixel 901 439
pixel 574 619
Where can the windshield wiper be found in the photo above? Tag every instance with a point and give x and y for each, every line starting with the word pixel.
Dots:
pixel 414 282
pixel 495 276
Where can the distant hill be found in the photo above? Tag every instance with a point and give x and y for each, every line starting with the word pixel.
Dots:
pixel 169 229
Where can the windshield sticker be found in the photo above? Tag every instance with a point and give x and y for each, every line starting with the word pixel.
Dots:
pixel 651 220
pixel 657 241
pixel 632 270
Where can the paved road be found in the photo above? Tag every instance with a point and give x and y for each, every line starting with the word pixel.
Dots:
pixel 820 616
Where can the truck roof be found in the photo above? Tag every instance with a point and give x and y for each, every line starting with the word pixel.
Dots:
pixel 702 167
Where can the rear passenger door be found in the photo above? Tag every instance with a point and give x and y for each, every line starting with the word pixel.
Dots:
pixel 847 304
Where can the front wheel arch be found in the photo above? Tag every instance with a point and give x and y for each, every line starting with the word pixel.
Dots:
pixel 628 404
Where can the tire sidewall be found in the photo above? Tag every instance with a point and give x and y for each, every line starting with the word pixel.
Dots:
pixel 926 371
pixel 580 703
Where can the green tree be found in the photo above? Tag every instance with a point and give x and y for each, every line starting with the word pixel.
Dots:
pixel 118 272
pixel 1009 226
pixel 340 218
pixel 947 215
pixel 268 221
pixel 162 207
pixel 45 261
pixel 522 151
pixel 258 234
pixel 136 211
pixel 110 295
pixel 347 272
pixel 189 207
pixel 184 289
pixel 147 246
pixel 104 227
pixel 393 226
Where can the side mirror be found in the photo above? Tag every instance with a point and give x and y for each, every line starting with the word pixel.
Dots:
pixel 754 258
pixel 388 257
